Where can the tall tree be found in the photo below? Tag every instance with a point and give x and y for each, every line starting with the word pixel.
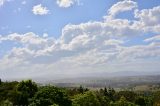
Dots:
pixel 0 81
pixel 81 89
pixel 26 89
pixel 49 95
pixel 105 92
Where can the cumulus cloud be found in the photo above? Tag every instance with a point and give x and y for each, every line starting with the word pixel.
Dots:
pixel 65 3
pixel 122 6
pixel 28 38
pixel 86 47
pixel 40 10
pixel 139 52
pixel 149 19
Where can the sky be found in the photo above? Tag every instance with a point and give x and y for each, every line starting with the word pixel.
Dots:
pixel 71 38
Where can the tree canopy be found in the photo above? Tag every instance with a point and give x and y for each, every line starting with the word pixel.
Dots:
pixel 28 93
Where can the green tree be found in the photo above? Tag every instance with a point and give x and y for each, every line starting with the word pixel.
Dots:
pixel 129 95
pixel 72 92
pixel 105 92
pixel 54 105
pixel 104 101
pixel 0 81
pixel 13 96
pixel 49 95
pixel 6 103
pixel 6 91
pixel 140 101
pixel 26 90
pixel 111 93
pixel 81 89
pixel 103 98
pixel 86 99
pixel 122 102
pixel 156 98
pixel 27 86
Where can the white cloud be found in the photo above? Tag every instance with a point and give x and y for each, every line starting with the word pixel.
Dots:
pixel 122 6
pixel 65 3
pixel 152 39
pixel 3 1
pixel 40 10
pixel 140 52
pixel 30 38
pixel 113 42
pixel 45 35
pixel 87 47
pixel 149 19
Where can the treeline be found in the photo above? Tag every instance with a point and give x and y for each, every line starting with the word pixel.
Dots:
pixel 28 93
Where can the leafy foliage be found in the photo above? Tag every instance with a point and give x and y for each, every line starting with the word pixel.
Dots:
pixel 8 91
pixel 49 95
pixel 86 99
pixel 123 102
pixel 129 95
pixel 27 93
pixel 27 87
pixel 156 98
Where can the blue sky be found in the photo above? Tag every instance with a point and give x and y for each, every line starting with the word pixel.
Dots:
pixel 84 36
pixel 14 12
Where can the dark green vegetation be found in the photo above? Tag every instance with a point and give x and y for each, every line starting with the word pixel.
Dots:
pixel 28 93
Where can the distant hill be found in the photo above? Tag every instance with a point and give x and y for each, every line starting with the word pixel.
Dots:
pixel 113 81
